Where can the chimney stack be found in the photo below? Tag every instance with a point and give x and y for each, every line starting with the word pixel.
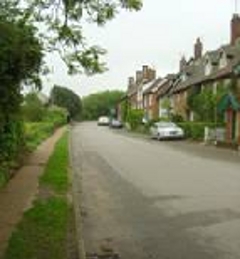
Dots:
pixel 130 82
pixel 235 28
pixel 198 49
pixel 145 71
pixel 139 77
pixel 152 74
pixel 183 63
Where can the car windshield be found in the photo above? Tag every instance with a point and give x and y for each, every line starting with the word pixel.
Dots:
pixel 166 125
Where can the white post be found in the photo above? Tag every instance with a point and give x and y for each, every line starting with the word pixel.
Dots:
pixel 206 135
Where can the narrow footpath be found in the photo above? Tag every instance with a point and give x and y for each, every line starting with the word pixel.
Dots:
pixel 20 192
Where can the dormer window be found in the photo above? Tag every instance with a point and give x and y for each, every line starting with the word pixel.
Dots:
pixel 183 77
pixel 208 67
pixel 223 60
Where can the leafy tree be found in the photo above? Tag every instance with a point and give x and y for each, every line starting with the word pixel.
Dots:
pixel 101 103
pixel 20 62
pixel 64 97
pixel 204 104
pixel 63 22
pixel 33 109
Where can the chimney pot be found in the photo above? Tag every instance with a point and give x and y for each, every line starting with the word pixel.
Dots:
pixel 235 28
pixel 198 49
pixel 183 63
pixel 145 71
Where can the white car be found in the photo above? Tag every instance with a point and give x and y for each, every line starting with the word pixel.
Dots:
pixel 166 130
pixel 103 121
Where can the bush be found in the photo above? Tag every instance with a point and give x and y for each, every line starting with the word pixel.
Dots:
pixel 36 132
pixel 56 115
pixel 134 118
pixel 176 118
pixel 195 130
pixel 11 140
pixel 33 110
pixel 11 145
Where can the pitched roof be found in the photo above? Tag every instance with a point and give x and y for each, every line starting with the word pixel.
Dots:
pixel 167 84
pixel 195 72
pixel 152 86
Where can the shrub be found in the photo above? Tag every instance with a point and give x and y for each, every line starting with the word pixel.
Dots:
pixel 11 140
pixel 195 130
pixel 36 132
pixel 33 110
pixel 56 115
pixel 134 118
pixel 176 118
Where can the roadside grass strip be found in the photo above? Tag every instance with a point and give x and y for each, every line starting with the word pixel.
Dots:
pixel 56 170
pixel 43 231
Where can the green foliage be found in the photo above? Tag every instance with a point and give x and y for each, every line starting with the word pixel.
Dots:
pixel 67 32
pixel 33 110
pixel 42 232
pixel 36 132
pixel 204 104
pixel 176 118
pixel 11 139
pixel 55 115
pixel 20 61
pixel 56 171
pixel 100 103
pixel 195 130
pixel 124 109
pixel 134 118
pixel 65 98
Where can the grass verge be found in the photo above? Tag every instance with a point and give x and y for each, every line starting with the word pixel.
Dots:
pixel 43 231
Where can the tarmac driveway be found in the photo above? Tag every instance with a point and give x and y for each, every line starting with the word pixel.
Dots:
pixel 150 199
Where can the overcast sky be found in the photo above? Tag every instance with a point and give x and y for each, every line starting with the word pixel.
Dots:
pixel 158 36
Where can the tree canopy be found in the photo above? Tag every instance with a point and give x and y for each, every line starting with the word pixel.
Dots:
pixel 63 26
pixel 101 103
pixel 66 98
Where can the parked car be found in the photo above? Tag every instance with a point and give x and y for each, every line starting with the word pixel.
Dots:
pixel 114 123
pixel 103 121
pixel 166 130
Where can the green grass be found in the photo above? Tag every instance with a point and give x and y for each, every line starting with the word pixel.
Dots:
pixel 56 171
pixel 42 233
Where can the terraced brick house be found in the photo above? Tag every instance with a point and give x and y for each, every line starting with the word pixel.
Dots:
pixel 214 70
pixel 164 98
pixel 136 87
pixel 150 100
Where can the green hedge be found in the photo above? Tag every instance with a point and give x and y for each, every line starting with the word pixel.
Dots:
pixel 195 130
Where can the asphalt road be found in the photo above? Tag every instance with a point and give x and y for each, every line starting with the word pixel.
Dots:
pixel 150 199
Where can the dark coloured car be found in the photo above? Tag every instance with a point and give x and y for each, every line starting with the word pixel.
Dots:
pixel 114 123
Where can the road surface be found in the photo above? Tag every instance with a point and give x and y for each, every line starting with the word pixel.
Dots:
pixel 150 199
